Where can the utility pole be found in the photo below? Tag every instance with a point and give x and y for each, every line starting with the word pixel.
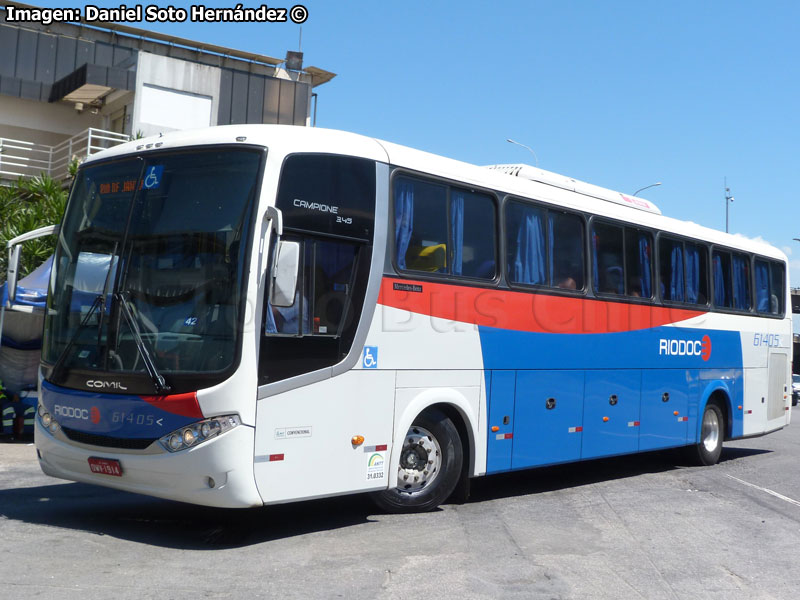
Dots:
pixel 728 199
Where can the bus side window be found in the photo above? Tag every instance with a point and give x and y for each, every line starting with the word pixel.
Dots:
pixel 670 258
pixel 322 303
pixel 565 237
pixel 777 288
pixel 420 210
pixel 608 273
pixel 525 243
pixel 696 273
pixel 472 217
pixel 443 230
pixel 638 251
pixel 769 287
pixel 741 282
pixel 723 295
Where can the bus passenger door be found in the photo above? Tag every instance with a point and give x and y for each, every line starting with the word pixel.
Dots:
pixel 611 413
pixel 665 408
pixel 548 417
pixel 501 413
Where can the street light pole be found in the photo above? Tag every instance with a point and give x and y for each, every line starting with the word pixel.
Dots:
pixel 657 183
pixel 528 148
pixel 728 199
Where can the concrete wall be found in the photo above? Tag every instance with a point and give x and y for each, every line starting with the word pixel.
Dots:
pixel 43 120
pixel 165 74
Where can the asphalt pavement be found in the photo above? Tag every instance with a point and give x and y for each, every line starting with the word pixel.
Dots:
pixel 646 526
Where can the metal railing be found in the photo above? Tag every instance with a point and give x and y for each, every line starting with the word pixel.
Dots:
pixel 19 158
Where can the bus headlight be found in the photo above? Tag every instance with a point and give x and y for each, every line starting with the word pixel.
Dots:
pixel 197 433
pixel 46 419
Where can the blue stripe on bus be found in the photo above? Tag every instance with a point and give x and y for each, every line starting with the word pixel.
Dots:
pixel 557 398
pixel 120 416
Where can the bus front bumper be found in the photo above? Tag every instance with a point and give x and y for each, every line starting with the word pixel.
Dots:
pixel 218 472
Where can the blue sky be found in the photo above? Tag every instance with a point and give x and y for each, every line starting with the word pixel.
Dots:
pixel 620 93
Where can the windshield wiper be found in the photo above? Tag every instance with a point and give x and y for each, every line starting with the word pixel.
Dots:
pixel 158 379
pixel 57 368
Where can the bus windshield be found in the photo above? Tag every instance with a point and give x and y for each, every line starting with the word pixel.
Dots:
pixel 149 271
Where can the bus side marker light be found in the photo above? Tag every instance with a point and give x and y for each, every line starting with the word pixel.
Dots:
pixel 633 423
pixel 740 407
pixel 605 419
pixel 378 448
pixel 357 440
pixel 504 436
pixel 682 419
pixel 495 428
pixel 575 429
pixel 676 413
pixel 749 412
pixel 275 457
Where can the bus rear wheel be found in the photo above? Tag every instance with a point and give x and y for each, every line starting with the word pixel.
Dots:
pixel 709 448
pixel 430 465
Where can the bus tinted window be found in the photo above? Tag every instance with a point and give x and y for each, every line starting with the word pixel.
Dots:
pixel 441 230
pixel 777 289
pixel 670 260
pixel 731 280
pixel 608 270
pixel 741 281
pixel 723 296
pixel 638 272
pixel 525 241
pixel 544 247
pixel 472 226
pixel 328 194
pixel 696 273
pixel 566 251
pixel 769 287
pixel 683 271
pixel 420 210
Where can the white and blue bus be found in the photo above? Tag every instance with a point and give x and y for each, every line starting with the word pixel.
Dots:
pixel 249 315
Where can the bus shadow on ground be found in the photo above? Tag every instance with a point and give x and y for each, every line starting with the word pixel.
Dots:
pixel 164 523
pixel 571 475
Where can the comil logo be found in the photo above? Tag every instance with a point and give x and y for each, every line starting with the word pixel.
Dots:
pixel 103 385
pixel 701 348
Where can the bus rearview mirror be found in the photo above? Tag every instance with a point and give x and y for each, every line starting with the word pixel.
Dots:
pixel 284 274
pixel 13 270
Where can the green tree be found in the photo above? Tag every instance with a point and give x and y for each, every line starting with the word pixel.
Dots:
pixel 25 205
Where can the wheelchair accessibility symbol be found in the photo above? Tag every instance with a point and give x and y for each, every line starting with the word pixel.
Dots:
pixel 370 360
pixel 153 178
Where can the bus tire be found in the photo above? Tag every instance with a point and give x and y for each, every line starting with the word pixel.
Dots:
pixel 430 466
pixel 712 432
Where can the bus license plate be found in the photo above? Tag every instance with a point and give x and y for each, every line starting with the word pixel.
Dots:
pixel 105 466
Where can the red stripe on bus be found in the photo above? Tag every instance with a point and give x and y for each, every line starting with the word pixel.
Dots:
pixel 185 405
pixel 523 311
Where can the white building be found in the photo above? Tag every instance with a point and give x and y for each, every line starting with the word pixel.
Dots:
pixel 70 89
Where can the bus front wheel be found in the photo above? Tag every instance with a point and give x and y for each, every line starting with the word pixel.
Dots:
pixel 709 448
pixel 430 465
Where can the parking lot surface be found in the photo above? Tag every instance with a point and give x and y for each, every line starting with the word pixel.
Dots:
pixel 645 526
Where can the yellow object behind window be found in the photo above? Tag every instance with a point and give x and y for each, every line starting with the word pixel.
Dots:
pixel 427 258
